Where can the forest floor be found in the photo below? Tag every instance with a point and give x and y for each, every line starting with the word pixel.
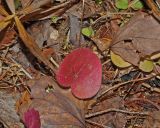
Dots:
pixel 80 63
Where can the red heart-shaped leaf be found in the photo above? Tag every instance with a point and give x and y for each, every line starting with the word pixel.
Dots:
pixel 82 70
pixel 32 119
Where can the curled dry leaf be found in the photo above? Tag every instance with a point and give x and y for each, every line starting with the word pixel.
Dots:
pixel 55 109
pixel 82 71
pixel 137 39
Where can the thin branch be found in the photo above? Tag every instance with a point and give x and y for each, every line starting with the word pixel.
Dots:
pixel 115 110
pixel 125 83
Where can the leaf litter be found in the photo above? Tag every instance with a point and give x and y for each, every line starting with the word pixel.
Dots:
pixel 125 40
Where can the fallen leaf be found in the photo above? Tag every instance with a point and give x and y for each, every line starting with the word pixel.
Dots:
pixel 7 39
pixel 146 65
pixel 32 118
pixel 87 31
pixel 75 29
pixel 55 109
pixel 137 39
pixel 31 44
pixel 103 36
pixel 82 71
pixel 118 61
pixel 48 52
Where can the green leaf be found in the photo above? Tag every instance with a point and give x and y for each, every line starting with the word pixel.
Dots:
pixel 146 65
pixel 98 1
pixel 54 19
pixel 88 31
pixel 137 4
pixel 118 61
pixel 17 4
pixel 121 4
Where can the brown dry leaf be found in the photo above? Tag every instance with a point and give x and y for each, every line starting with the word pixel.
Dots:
pixel 36 11
pixel 55 109
pixel 104 35
pixel 137 39
pixel 102 43
pixel 6 39
pixel 24 100
pixel 31 44
pixel 48 52
pixel 42 33
pixel 152 121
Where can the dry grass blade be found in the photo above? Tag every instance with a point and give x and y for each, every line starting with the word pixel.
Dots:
pixel 11 5
pixel 5 22
pixel 3 11
pixel 31 45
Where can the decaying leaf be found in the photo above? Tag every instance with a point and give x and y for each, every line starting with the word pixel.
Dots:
pixel 137 39
pixel 7 38
pixel 82 71
pixel 30 43
pixel 55 109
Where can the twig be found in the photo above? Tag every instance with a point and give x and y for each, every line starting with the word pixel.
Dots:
pixel 115 110
pixel 132 86
pixel 153 89
pixel 96 124
pixel 124 83
pixel 54 62
pixel 22 69
pixel 144 100
pixel 4 123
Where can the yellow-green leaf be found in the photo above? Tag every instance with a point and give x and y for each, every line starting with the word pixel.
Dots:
pixel 88 31
pixel 118 61
pixel 137 4
pixel 146 65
